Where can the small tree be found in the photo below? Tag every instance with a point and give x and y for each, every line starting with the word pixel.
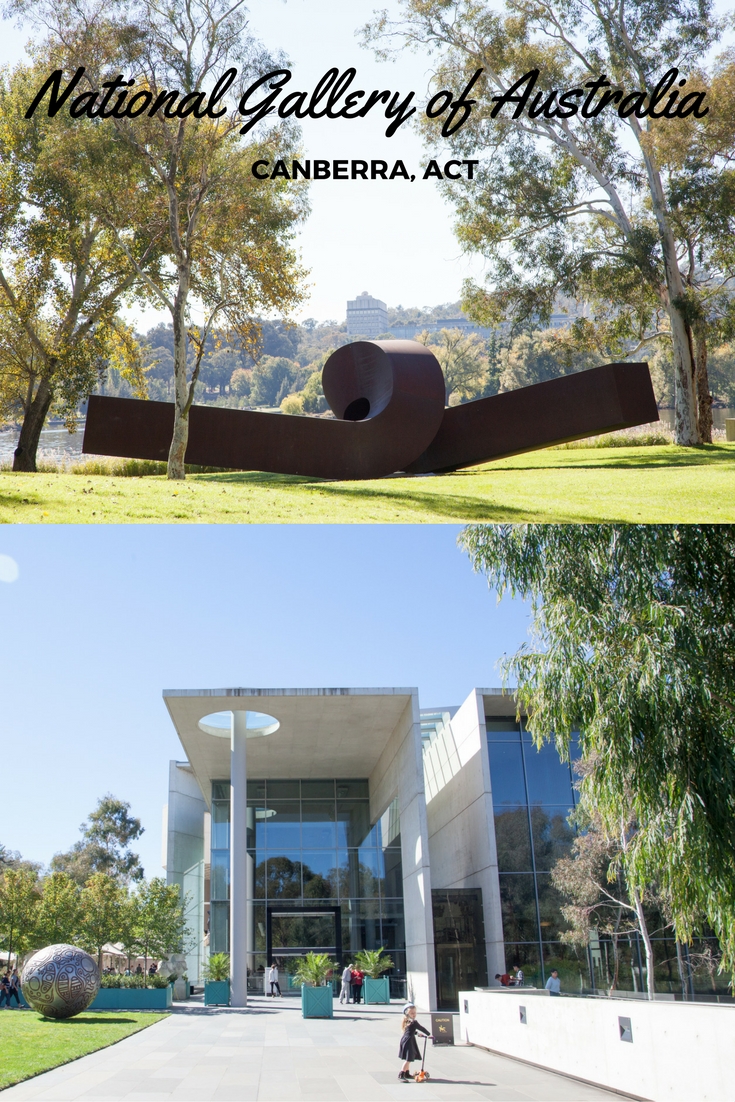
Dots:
pixel 102 900
pixel 158 925
pixel 463 361
pixel 19 897
pixel 59 911
pixel 105 844
pixel 593 881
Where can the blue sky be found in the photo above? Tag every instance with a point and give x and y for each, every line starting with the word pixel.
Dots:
pixel 101 619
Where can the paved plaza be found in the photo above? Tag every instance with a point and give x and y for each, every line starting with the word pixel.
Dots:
pixel 269 1052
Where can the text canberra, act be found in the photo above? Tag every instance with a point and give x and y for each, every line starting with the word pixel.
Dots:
pixel 359 170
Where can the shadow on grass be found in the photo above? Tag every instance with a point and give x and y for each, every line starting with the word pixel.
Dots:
pixel 81 1020
pixel 704 455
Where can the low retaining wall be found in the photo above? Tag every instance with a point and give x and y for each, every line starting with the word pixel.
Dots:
pixel 684 1052
pixel 132 998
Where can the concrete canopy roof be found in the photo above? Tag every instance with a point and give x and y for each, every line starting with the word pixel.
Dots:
pixel 322 733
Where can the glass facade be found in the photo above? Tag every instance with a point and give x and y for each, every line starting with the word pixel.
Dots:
pixel 315 860
pixel 459 943
pixel 533 795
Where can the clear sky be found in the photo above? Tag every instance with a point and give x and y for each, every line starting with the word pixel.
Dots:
pixel 99 620
pixel 391 238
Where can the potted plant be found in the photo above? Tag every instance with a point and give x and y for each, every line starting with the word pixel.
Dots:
pixel 217 980
pixel 314 974
pixel 376 986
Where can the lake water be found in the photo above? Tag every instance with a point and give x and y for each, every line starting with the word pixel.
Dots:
pixel 57 445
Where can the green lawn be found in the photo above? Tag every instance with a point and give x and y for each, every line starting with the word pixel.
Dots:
pixel 31 1044
pixel 648 484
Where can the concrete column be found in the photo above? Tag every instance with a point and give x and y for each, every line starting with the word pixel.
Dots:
pixel 238 863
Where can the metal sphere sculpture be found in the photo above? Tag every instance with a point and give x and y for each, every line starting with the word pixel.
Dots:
pixel 60 981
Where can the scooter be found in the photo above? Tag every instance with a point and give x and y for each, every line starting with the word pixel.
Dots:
pixel 422 1075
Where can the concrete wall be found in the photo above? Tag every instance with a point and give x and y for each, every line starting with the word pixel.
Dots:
pixel 683 1052
pixel 184 822
pixel 460 817
pixel 399 774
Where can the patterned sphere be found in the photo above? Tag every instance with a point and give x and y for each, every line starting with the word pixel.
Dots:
pixel 60 981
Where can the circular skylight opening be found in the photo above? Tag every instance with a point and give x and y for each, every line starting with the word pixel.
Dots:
pixel 258 724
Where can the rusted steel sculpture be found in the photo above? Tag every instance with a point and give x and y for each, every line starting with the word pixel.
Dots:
pixel 388 401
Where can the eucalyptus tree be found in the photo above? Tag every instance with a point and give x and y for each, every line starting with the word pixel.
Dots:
pixel 634 647
pixel 61 281
pixel 571 196
pixel 228 238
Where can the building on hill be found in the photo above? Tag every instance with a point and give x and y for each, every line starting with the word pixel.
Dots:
pixel 366 316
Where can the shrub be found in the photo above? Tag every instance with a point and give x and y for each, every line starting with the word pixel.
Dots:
pixel 217 968
pixel 372 962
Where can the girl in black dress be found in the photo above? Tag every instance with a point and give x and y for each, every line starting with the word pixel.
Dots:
pixel 409 1049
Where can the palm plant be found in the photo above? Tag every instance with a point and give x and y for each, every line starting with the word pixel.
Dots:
pixel 314 969
pixel 217 968
pixel 372 962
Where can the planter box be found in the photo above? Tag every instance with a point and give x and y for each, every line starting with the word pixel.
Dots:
pixel 376 991
pixel 217 993
pixel 317 1002
pixel 133 998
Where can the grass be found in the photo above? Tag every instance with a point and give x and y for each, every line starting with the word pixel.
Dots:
pixel 659 483
pixel 31 1044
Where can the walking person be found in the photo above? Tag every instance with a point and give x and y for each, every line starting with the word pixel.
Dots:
pixel 5 989
pixel 408 1049
pixel 14 992
pixel 273 980
pixel 553 983
pixel 357 977
pixel 345 989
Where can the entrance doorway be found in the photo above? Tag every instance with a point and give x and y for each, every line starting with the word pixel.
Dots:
pixel 459 944
pixel 292 932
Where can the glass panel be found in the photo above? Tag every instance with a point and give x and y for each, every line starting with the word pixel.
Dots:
pixel 571 964
pixel 528 959
pixel 317 824
pixel 317 790
pixel 361 925
pixel 221 790
pixel 303 931
pixel 369 872
pixel 283 876
pixel 256 790
pixel 220 882
pixel 259 926
pixel 552 835
pixel 283 790
pixel 353 823
pixel 549 778
pixel 518 904
pixel 352 790
pixel 459 944
pixel 220 824
pixel 219 939
pixel 512 840
pixel 393 880
pixel 320 873
pixel 550 902
pixel 501 728
pixel 259 873
pixel 506 773
pixel 392 925
pixel 282 830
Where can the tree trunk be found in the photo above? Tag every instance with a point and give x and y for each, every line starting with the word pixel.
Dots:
pixel 643 927
pixel 180 438
pixel 34 419
pixel 704 398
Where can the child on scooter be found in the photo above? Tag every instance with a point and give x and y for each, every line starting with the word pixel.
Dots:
pixel 409 1049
